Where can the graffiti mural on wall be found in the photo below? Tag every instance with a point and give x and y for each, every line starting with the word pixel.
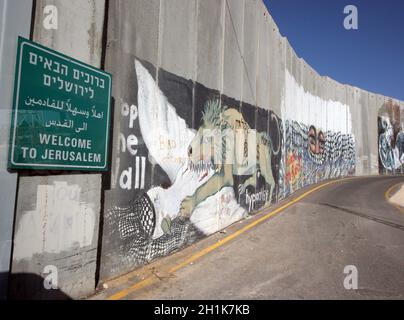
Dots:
pixel 313 154
pixel 260 189
pixel 213 161
pixel 218 174
pixel 391 138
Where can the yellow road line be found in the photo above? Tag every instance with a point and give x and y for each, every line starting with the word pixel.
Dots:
pixel 387 197
pixel 148 281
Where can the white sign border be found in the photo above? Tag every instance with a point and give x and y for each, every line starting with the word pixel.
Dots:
pixel 17 103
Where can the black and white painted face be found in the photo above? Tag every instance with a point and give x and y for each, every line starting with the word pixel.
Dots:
pixel 316 141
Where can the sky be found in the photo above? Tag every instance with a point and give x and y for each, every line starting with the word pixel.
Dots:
pixel 371 58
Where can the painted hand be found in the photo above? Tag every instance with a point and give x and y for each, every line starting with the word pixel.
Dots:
pixel 187 206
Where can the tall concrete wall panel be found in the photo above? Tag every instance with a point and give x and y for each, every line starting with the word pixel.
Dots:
pixel 340 95
pixel 208 84
pixel 233 49
pixel 57 216
pixel 263 58
pixel 331 87
pixel 178 31
pixel 140 35
pixel 390 120
pixel 56 226
pixel 10 29
pixel 296 76
pixel 307 85
pixel 210 44
pixel 131 37
pixel 250 56
pixel 288 57
pixel 79 33
pixel 215 119
pixel 364 107
pixel 319 92
pixel 353 102
pixel 382 102
pixel 277 68
pixel 374 106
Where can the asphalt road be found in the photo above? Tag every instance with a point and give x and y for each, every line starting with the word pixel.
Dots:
pixel 301 252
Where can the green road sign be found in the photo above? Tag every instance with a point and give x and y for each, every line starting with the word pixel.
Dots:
pixel 61 112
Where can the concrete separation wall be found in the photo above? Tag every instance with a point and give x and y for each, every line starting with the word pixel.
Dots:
pixel 57 216
pixel 391 136
pixel 215 118
pixel 188 68
pixel 10 29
